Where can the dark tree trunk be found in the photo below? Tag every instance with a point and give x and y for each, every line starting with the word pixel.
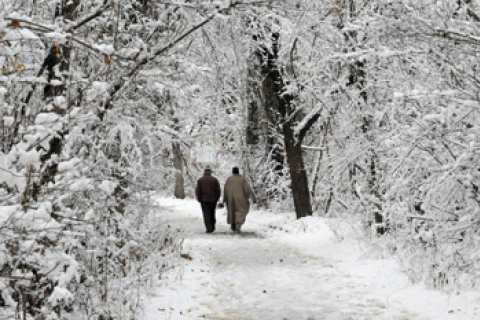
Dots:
pixel 378 216
pixel 178 165
pixel 57 56
pixel 263 135
pixel 298 174
pixel 272 105
pixel 279 110
pixel 253 125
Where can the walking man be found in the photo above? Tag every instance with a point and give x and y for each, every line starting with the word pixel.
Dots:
pixel 208 192
pixel 235 196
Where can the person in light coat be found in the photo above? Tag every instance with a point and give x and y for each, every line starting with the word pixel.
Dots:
pixel 236 196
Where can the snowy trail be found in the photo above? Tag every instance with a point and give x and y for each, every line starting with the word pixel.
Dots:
pixel 264 280
pixel 257 275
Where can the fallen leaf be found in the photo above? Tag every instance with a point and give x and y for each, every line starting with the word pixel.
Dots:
pixel 15 23
pixel 107 60
pixel 186 256
pixel 57 48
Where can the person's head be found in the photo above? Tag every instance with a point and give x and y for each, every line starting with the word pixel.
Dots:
pixel 208 169
pixel 235 170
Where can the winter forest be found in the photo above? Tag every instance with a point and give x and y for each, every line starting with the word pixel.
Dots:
pixel 361 111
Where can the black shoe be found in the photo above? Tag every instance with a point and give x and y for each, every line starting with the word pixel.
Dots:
pixel 210 231
pixel 232 227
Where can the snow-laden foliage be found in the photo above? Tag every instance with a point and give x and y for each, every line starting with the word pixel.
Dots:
pixel 86 136
pixel 386 93
pixel 396 84
pixel 349 108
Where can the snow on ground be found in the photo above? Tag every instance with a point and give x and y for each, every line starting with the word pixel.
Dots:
pixel 282 268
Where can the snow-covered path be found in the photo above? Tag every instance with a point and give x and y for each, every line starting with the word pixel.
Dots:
pixel 256 278
pixel 265 274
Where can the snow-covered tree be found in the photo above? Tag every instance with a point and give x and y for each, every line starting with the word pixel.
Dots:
pixel 82 138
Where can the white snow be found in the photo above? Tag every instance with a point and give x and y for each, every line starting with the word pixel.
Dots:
pixel 89 215
pixel 26 158
pixel 98 89
pixel 107 186
pixel 43 118
pixel 8 121
pixel 23 79
pixel 19 34
pixel 60 295
pixel 282 268
pixel 57 36
pixel 70 273
pixel 82 185
pixel 11 178
pixel 68 165
pixel 6 212
pixel 104 48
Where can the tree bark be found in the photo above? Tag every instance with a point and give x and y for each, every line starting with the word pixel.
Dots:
pixel 56 57
pixel 253 112
pixel 178 165
pixel 357 78
pixel 281 109
pixel 298 174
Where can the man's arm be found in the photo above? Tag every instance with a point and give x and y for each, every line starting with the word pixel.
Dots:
pixel 218 190
pixel 225 200
pixel 198 191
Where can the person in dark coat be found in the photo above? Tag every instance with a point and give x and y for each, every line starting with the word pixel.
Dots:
pixel 208 192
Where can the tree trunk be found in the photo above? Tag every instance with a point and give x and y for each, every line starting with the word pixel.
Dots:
pixel 56 57
pixel 253 112
pixel 298 174
pixel 357 78
pixel 178 165
pixel 281 112
pixel 272 104
pixel 293 145
pixel 262 132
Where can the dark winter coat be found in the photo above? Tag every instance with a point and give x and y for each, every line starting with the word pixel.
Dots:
pixel 208 188
pixel 236 194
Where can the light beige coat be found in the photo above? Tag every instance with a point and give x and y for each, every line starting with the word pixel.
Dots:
pixel 235 196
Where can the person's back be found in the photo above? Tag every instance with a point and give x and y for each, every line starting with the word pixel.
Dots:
pixel 208 192
pixel 235 196
pixel 208 189
pixel 236 190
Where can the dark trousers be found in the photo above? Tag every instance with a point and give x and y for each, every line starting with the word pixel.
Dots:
pixel 208 209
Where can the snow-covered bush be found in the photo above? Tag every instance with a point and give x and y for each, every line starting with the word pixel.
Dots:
pixel 81 140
